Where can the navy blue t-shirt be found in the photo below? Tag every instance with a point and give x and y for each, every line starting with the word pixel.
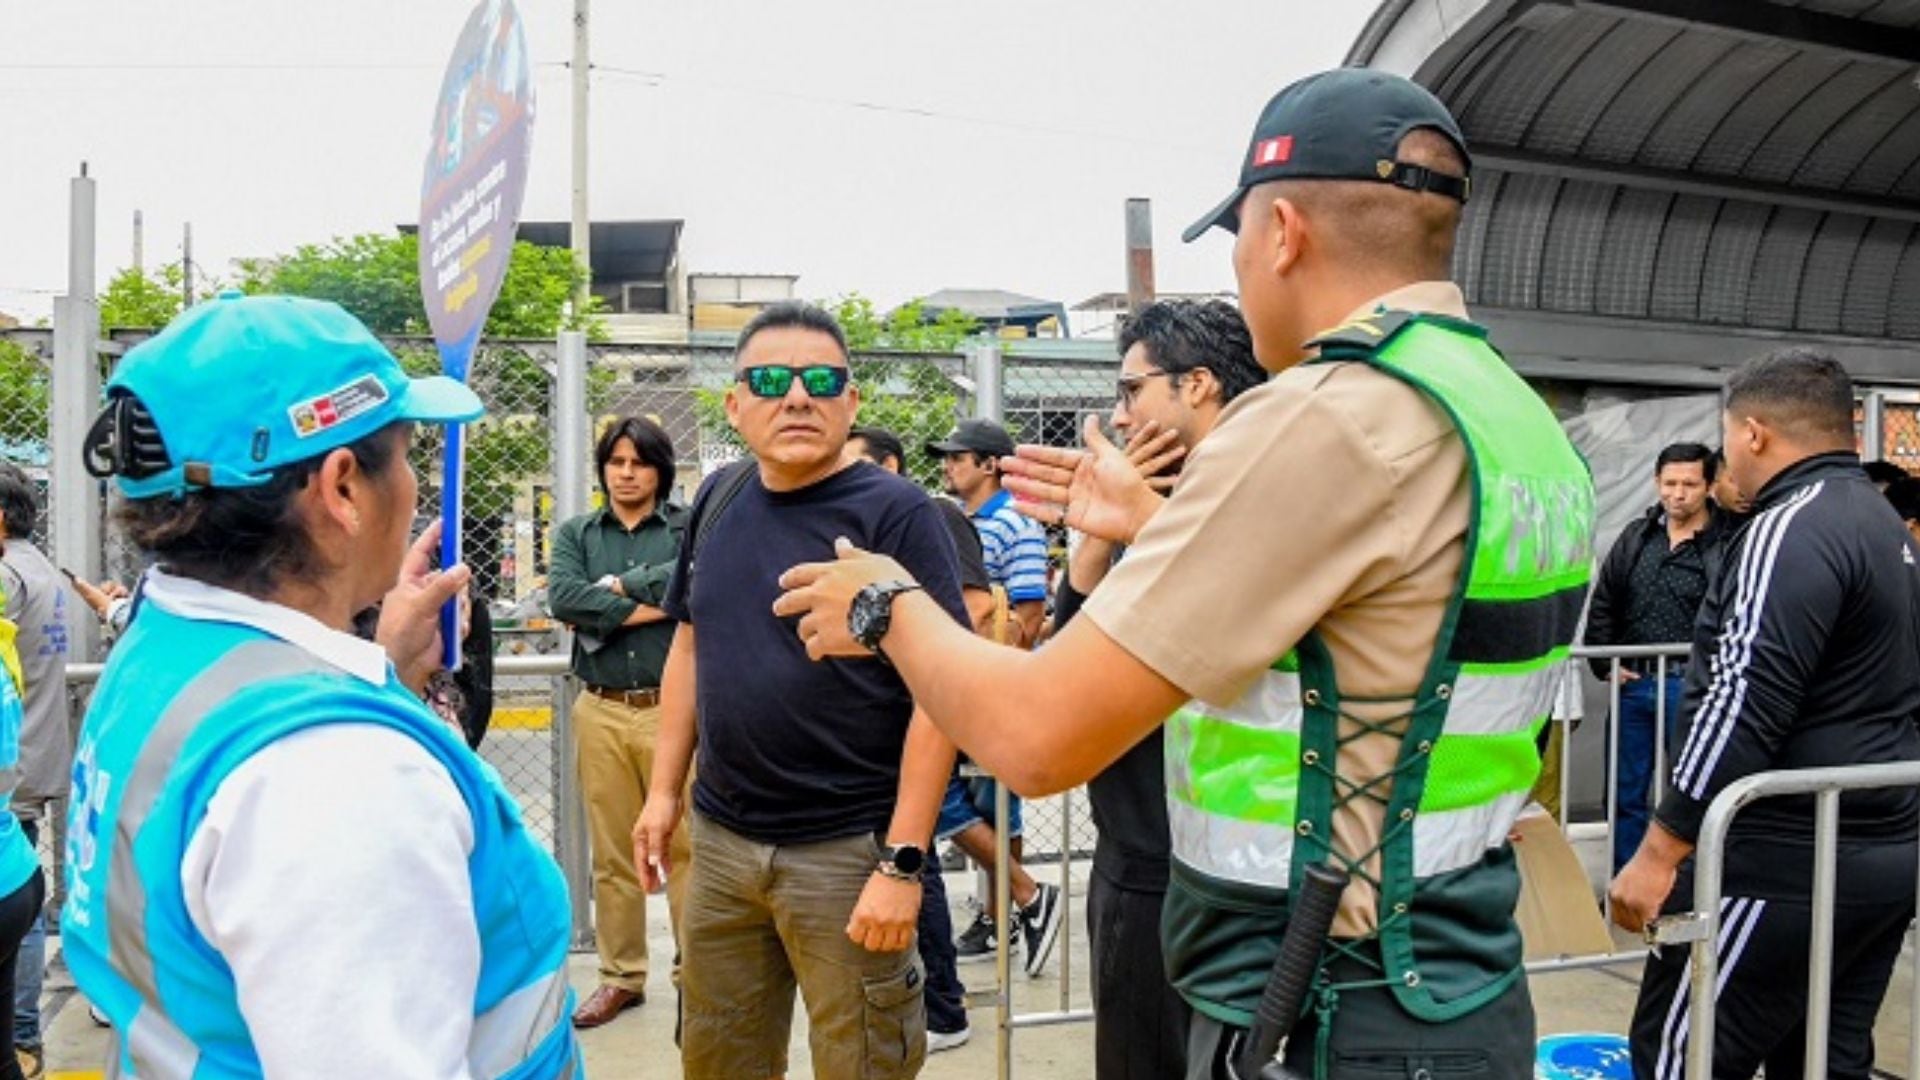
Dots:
pixel 793 750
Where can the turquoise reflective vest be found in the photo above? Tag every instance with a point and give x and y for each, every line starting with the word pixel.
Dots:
pixel 181 704
pixel 17 858
pixel 1251 788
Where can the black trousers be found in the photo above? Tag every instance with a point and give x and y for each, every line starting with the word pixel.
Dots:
pixel 1139 1022
pixel 946 996
pixel 1373 1038
pixel 1761 1011
pixel 17 911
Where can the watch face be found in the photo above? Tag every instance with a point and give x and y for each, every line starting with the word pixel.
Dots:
pixel 860 617
pixel 908 859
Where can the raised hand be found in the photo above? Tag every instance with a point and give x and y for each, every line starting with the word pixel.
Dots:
pixel 1152 449
pixel 1098 490
pixel 410 615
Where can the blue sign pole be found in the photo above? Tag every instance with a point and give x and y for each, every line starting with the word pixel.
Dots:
pixel 470 195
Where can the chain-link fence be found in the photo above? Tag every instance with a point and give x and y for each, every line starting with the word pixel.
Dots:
pixel 510 458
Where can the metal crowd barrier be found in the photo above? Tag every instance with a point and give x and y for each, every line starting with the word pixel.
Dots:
pixel 575 866
pixel 1006 1021
pixel 1701 927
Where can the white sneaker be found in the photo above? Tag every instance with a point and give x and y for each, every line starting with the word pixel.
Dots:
pixel 98 1016
pixel 947 1040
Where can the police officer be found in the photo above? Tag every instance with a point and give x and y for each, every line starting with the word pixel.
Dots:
pixel 281 863
pixel 1348 614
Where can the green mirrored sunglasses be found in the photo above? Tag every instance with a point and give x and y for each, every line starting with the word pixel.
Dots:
pixel 774 380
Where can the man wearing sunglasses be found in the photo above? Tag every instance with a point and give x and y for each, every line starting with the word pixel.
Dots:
pixel 818 784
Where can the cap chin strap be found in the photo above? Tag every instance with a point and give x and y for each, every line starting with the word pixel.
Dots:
pixel 1418 178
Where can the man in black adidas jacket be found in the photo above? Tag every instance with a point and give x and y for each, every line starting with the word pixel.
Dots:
pixel 1807 654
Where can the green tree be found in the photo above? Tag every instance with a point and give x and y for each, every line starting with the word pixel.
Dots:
pixel 136 300
pixel 900 389
pixel 377 277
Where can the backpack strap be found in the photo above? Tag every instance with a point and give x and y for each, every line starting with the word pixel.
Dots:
pixel 705 512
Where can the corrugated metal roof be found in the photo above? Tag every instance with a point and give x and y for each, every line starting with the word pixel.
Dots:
pixel 1638 160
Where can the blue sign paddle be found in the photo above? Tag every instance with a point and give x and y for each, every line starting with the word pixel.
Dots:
pixel 476 177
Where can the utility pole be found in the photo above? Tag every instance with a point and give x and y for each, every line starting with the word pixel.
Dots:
pixel 78 499
pixel 1139 254
pixel 139 244
pixel 186 267
pixel 582 244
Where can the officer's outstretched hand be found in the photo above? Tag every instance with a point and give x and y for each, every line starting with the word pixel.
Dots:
pixel 1099 490
pixel 821 594
pixel 410 615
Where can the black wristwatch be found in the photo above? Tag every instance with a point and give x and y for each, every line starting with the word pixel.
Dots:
pixel 872 613
pixel 902 862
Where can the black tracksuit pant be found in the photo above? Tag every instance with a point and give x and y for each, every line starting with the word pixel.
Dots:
pixel 1760 1018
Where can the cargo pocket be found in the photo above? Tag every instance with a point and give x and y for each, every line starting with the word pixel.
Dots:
pixel 896 1024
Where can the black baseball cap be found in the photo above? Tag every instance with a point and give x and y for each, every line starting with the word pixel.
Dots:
pixel 1344 124
pixel 982 437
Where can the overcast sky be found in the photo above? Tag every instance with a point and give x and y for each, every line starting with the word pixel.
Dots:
pixel 881 146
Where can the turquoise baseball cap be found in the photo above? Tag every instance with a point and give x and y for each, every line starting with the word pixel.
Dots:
pixel 239 386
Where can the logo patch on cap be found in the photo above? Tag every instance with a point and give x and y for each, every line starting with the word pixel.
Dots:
pixel 361 396
pixel 1275 151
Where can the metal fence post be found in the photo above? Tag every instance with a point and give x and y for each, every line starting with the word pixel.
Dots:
pixel 570 500
pixel 1826 844
pixel 1003 903
pixel 78 499
pixel 1873 425
pixel 989 389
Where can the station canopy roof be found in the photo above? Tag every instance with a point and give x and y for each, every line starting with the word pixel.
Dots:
pixel 1681 183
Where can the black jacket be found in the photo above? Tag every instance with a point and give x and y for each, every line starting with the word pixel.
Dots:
pixel 1806 654
pixel 1607 607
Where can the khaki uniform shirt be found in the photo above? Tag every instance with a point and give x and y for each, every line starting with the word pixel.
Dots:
pixel 1333 499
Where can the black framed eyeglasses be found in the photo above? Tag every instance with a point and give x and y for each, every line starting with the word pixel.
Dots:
pixel 775 380
pixel 1127 387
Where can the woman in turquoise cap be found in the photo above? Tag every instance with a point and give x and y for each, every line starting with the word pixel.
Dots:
pixel 281 863
pixel 22 886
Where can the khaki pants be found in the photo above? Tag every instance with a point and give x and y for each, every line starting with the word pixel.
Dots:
pixel 616 765
pixel 763 918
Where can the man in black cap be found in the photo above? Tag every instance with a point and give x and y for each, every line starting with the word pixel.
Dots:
pixel 1350 615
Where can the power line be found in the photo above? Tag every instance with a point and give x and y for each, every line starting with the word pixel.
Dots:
pixel 660 78
pixel 246 65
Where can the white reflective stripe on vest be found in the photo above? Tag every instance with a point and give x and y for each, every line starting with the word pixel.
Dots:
pixel 159 1050
pixel 1451 839
pixel 1272 703
pixel 1247 852
pixel 505 1035
pixel 1498 704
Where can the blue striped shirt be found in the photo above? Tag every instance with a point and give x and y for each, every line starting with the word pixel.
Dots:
pixel 1015 549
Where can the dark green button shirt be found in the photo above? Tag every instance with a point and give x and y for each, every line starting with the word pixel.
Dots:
pixel 592 546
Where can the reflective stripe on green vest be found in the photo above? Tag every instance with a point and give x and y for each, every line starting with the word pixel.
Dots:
pixel 1247 806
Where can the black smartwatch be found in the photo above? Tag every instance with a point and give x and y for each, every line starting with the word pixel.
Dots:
pixel 902 862
pixel 872 613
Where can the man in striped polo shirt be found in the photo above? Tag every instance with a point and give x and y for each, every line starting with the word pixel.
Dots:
pixel 1015 550
pixel 1014 545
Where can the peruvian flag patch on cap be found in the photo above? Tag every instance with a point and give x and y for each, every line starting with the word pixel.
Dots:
pixel 1274 151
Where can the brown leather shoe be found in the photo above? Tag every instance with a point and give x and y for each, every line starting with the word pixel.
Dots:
pixel 605 1004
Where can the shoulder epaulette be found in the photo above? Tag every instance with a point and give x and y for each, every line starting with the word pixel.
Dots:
pixel 1364 334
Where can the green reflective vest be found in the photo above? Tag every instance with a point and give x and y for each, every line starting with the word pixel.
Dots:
pixel 1249 798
